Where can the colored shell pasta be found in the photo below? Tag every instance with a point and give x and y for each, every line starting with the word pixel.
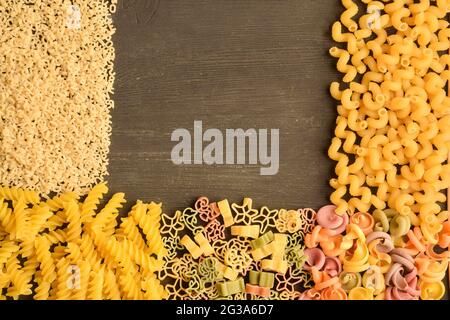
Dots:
pixel 369 265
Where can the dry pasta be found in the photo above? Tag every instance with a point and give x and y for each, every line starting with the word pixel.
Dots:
pixel 243 266
pixel 55 124
pixel 80 258
pixel 393 122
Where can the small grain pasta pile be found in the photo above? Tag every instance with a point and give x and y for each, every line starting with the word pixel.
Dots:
pixel 56 77
pixel 358 258
pixel 66 249
pixel 218 251
pixel 392 134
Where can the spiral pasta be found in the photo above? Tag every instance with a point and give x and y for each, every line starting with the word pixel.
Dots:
pixel 74 250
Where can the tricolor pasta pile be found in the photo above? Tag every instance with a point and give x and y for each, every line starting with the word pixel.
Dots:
pixel 223 251
pixel 359 258
pixel 62 248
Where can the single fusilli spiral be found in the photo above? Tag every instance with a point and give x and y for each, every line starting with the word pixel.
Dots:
pixel 73 217
pixel 92 201
pixel 44 257
pixel 14 194
pixel 18 279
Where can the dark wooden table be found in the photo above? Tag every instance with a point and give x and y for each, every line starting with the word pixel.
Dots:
pixel 231 64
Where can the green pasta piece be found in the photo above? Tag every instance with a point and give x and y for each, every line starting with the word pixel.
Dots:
pixel 253 277
pixel 231 287
pixel 208 270
pixel 296 259
pixel 222 289
pixel 349 280
pixel 381 221
pixel 266 280
pixel 399 226
pixel 262 241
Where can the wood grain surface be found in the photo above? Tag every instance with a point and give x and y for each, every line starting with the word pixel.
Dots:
pixel 231 64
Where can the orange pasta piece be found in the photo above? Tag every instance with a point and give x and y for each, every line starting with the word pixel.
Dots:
pixel 332 293
pixel 444 236
pixel 364 221
pixel 331 246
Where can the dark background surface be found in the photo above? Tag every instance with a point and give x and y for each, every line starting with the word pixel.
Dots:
pixel 232 64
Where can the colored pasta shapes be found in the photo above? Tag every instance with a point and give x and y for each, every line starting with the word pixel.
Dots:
pixel 255 261
pixel 355 259
pixel 72 250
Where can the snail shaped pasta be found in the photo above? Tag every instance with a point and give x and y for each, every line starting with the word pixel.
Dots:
pixel 380 245
pixel 401 279
pixel 364 221
pixel 315 258
pixel 328 219
pixel 430 270
pixel 332 266
pixel 332 293
pixel 350 280
pixel 373 279
pixel 432 290
pixel 356 256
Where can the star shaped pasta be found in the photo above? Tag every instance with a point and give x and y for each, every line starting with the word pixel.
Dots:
pixel 167 272
pixel 287 282
pixel 171 225
pixel 174 290
pixel 266 219
pixel 244 214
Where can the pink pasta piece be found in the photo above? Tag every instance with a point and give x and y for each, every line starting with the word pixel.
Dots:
pixel 315 258
pixel 328 218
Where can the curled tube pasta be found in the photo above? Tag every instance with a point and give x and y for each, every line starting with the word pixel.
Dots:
pixel 395 121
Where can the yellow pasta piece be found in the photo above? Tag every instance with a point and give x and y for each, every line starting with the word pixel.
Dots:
pixel 205 247
pixel 263 252
pixel 230 274
pixel 279 246
pixel 251 231
pixel 279 266
pixel 225 211
pixel 190 245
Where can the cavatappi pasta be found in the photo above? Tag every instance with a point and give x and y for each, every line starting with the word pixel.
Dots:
pixel 392 134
